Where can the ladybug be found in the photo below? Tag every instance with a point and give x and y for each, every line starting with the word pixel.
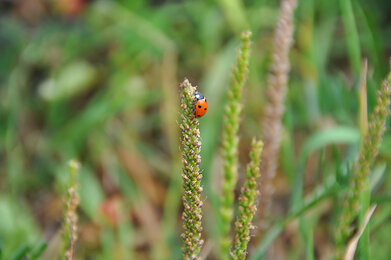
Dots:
pixel 201 105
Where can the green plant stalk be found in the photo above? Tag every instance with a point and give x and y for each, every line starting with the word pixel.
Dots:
pixel 361 170
pixel 365 200
pixel 191 176
pixel 247 207
pixel 69 227
pixel 352 38
pixel 231 141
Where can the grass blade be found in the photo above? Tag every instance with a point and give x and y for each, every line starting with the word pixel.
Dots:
pixel 351 35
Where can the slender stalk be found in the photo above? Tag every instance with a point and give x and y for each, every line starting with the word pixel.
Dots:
pixel 276 92
pixel 69 227
pixel 191 176
pixel 363 117
pixel 366 196
pixel 231 141
pixel 247 207
pixel 351 35
pixel 361 169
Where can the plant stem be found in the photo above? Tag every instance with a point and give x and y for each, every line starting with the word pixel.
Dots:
pixel 69 228
pixel 359 188
pixel 191 176
pixel 247 207
pixel 276 92
pixel 231 141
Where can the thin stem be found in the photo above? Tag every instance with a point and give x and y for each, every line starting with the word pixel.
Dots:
pixel 231 141
pixel 69 228
pixel 276 92
pixel 247 207
pixel 191 176
pixel 361 169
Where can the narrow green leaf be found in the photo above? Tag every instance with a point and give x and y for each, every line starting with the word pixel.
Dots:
pixel 38 250
pixel 20 253
pixel 318 140
pixel 91 193
pixel 328 189
pixel 351 35
pixel 334 135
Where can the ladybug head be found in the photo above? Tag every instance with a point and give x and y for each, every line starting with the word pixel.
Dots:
pixel 198 96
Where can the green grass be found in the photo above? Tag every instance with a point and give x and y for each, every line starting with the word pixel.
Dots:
pixel 102 86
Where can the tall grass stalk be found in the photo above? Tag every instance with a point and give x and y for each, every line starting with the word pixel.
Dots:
pixel 363 117
pixel 359 185
pixel 276 92
pixel 366 196
pixel 247 207
pixel 69 227
pixel 230 141
pixel 191 176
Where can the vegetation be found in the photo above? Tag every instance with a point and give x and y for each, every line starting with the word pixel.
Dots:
pixel 99 81
pixel 192 177
pixel 247 205
pixel 69 229
pixel 230 142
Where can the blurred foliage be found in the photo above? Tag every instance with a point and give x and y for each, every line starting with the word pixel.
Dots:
pixel 98 81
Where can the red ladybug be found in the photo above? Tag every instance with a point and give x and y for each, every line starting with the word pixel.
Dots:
pixel 201 105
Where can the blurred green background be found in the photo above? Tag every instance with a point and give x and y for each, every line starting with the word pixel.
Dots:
pixel 98 81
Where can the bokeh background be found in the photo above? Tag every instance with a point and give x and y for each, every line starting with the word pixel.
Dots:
pixel 98 81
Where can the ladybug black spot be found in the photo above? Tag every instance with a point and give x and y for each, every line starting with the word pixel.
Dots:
pixel 199 106
pixel 204 108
